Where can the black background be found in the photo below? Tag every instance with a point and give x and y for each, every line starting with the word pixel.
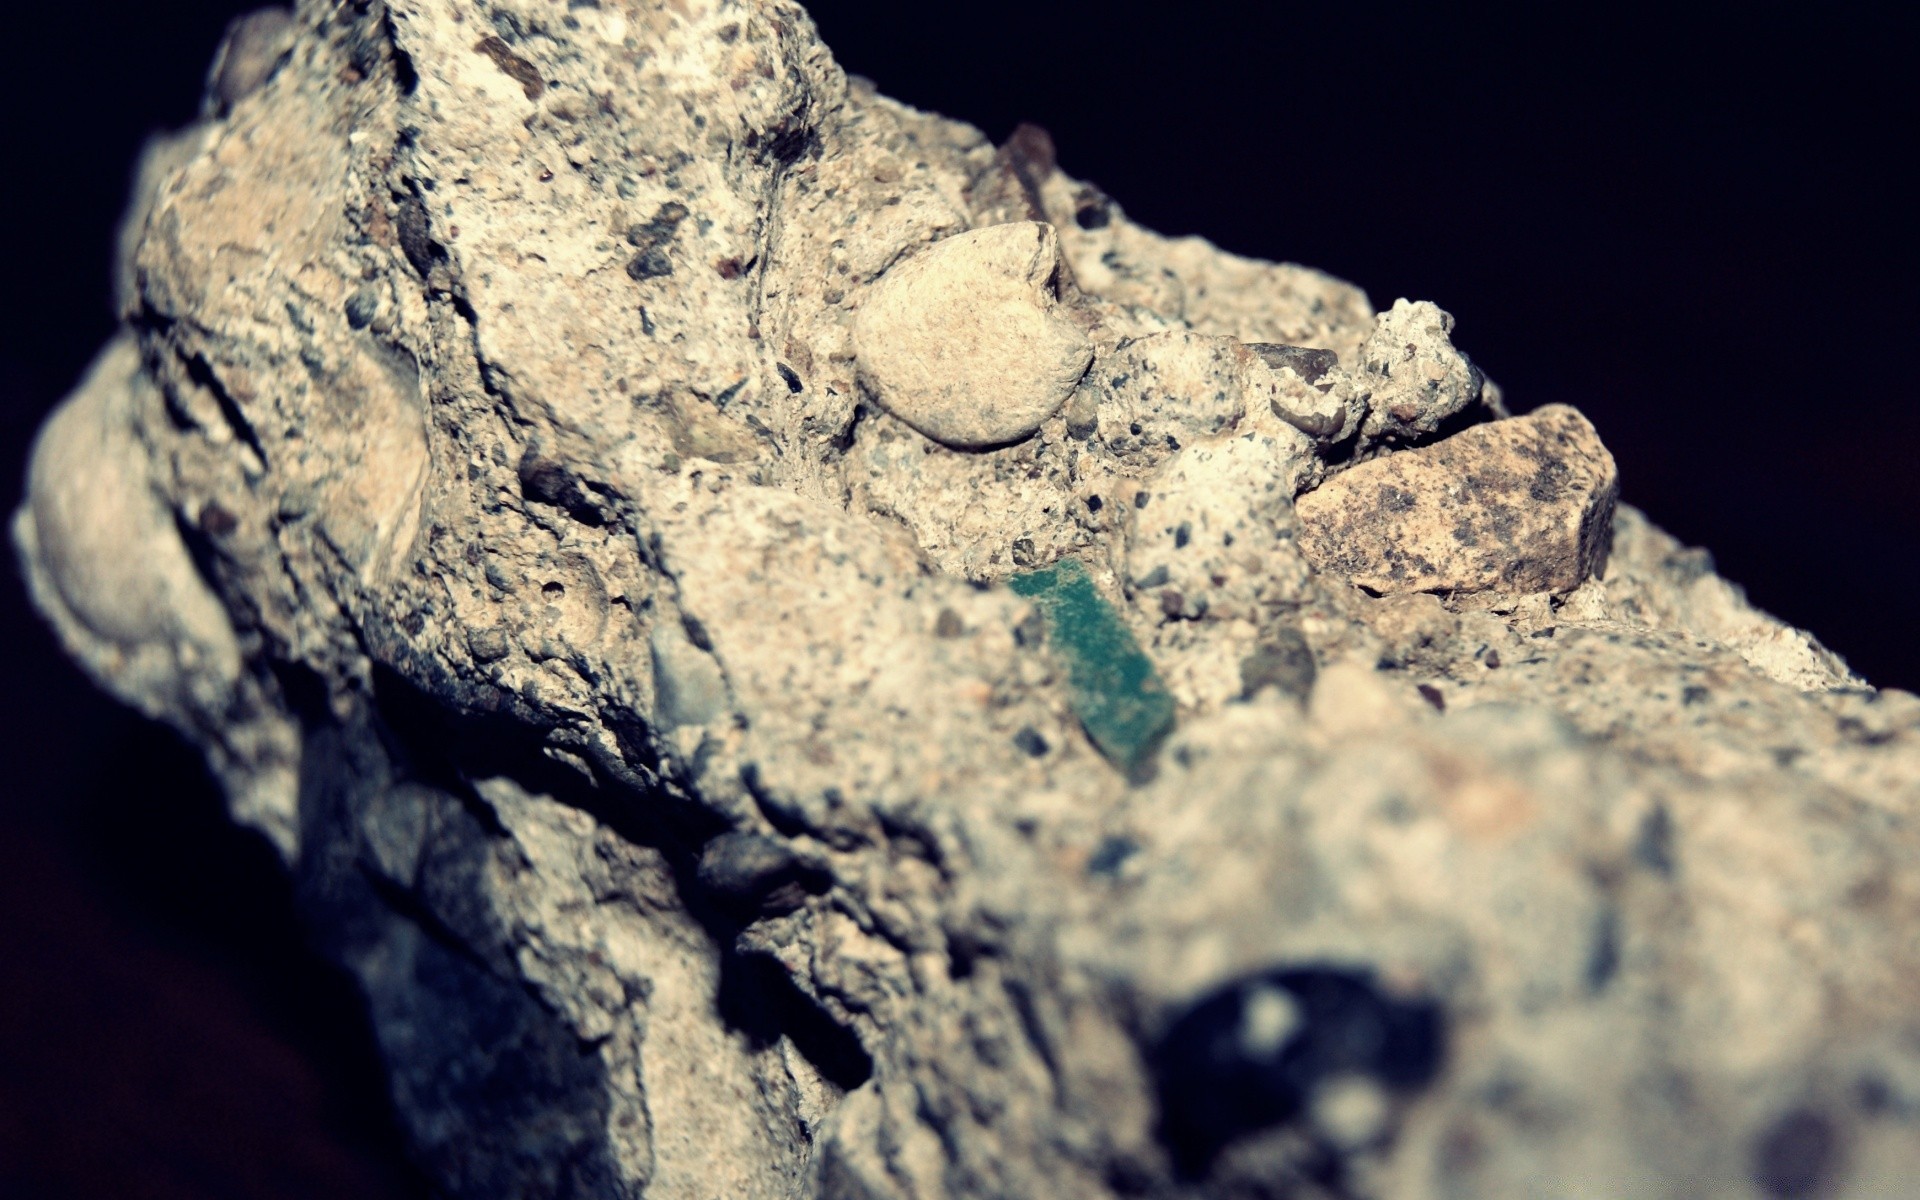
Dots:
pixel 1699 229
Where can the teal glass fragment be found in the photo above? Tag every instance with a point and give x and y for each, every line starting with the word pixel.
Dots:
pixel 1112 685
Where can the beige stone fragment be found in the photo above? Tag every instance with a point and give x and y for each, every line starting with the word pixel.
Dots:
pixel 962 341
pixel 253 49
pixel 1523 505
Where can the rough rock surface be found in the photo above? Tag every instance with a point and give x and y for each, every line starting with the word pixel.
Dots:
pixel 655 725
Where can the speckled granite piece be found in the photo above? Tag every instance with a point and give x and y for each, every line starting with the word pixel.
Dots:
pixel 1521 505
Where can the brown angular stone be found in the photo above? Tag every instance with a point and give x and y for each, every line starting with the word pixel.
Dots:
pixel 1523 505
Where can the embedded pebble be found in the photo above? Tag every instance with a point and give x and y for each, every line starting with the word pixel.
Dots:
pixel 1283 661
pixel 963 342
pixel 255 45
pixel 1307 389
pixel 1083 412
pixel 1413 378
pixel 748 874
pixel 689 688
pixel 1112 685
pixel 1523 505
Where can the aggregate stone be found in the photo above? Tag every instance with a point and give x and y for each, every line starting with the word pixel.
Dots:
pixel 1521 505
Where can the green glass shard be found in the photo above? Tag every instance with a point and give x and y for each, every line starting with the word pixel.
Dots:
pixel 1112 686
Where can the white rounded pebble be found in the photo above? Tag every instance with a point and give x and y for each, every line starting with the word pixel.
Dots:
pixel 963 341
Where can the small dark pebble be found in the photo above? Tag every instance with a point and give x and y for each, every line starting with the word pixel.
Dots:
pixel 788 374
pixel 1030 741
pixel 1172 602
pixel 1029 148
pixel 1694 694
pixel 650 238
pixel 1653 846
pixel 513 66
pixel 1221 1075
pixel 1285 661
pixel 1603 954
pixel 948 624
pixel 1092 216
pixel 488 645
pixel 1140 499
pixel 216 520
pixel 1797 1156
pixel 1492 660
pixel 1309 363
pixel 1110 854
pixel 1434 696
pixel 1023 552
pixel 1155 578
pixel 415 230
pixel 752 874
pixel 1183 535
pixel 361 307
pixel 658 227
pixel 1874 1095
pixel 1094 503
pixel 649 264
pixel 1083 413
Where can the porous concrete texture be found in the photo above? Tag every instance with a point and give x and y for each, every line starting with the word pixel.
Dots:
pixel 532 470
